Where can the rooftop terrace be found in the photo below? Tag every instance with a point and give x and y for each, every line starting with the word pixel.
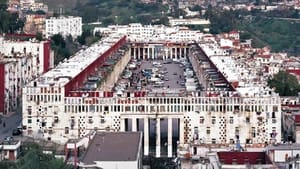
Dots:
pixel 69 69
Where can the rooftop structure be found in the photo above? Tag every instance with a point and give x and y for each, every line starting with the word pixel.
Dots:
pixel 113 147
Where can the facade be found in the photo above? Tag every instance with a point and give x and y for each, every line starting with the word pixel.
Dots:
pixel 176 22
pixel 64 25
pixel 20 62
pixel 56 107
pixel 34 24
pixel 45 57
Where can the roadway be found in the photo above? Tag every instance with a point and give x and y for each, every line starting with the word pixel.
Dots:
pixel 11 122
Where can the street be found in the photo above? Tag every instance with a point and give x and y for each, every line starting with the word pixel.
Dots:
pixel 11 123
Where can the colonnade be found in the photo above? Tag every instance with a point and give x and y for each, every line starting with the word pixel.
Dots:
pixel 158 144
pixel 162 52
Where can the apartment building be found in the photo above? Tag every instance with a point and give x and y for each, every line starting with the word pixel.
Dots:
pixel 65 26
pixel 70 102
pixel 20 62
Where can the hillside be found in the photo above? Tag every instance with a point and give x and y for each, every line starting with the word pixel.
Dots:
pixel 67 5
pixel 111 11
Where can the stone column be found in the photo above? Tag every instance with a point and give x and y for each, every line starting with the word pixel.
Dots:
pixel 157 137
pixel 133 122
pixel 139 53
pixel 169 137
pixel 146 136
pixel 134 52
pixel 122 124
pixel 153 49
pixel 180 52
pixel 148 53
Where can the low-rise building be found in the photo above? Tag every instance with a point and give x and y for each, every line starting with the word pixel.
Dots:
pixel 10 150
pixel 114 150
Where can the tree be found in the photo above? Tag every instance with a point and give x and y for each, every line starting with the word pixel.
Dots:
pixel 39 36
pixel 285 84
pixel 33 158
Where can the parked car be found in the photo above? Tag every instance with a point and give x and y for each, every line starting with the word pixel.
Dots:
pixel 8 139
pixel 16 132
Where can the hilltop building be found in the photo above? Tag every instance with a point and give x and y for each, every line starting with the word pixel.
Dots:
pixel 64 25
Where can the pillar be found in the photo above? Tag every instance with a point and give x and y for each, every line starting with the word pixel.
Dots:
pixel 166 53
pixel 122 124
pixel 148 54
pixel 139 53
pixel 157 137
pixel 146 136
pixel 134 52
pixel 180 52
pixel 176 54
pixel 184 52
pixel 133 122
pixel 181 131
pixel 170 137
pixel 171 53
pixel 153 53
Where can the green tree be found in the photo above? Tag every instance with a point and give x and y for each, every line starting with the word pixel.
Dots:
pixel 33 158
pixel 285 84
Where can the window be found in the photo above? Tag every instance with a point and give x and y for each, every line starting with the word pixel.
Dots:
pixel 237 131
pixel 253 132
pixel 55 119
pixel 275 108
pixel 207 130
pixel 66 130
pixel 90 119
pixel 247 119
pixel 29 121
pixel 213 120
pixel 213 141
pixel 231 120
pixel 201 119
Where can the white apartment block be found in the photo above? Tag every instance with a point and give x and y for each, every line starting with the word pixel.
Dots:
pixel 45 57
pixel 55 107
pixel 20 62
pixel 64 25
pixel 137 32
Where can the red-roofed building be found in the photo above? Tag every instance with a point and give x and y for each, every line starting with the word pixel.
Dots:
pixel 265 59
pixel 295 72
pixel 233 159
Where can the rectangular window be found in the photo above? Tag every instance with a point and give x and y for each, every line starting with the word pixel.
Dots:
pixel 237 131
pixel 213 120
pixel 253 132
pixel 231 120
pixel 66 130
pixel 247 119
pixel 213 141
pixel 201 119
pixel 207 130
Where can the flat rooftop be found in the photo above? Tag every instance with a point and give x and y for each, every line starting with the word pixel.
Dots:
pixel 244 158
pixel 118 146
pixel 67 70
